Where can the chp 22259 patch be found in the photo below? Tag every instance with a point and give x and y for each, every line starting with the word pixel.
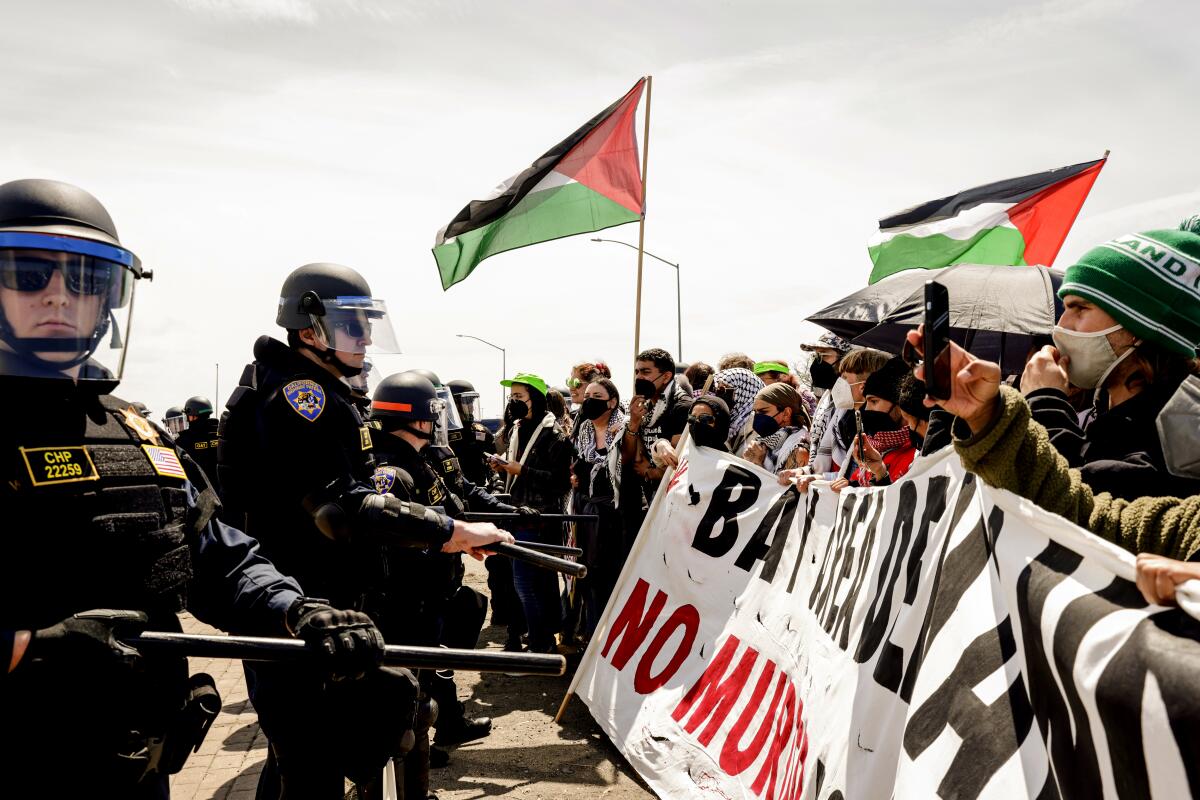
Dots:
pixel 306 398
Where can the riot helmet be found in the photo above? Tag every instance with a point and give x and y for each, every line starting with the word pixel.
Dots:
pixel 174 421
pixel 199 407
pixel 466 400
pixel 453 420
pixel 336 303
pixel 66 284
pixel 407 397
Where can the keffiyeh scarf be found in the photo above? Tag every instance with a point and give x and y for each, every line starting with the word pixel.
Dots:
pixel 745 386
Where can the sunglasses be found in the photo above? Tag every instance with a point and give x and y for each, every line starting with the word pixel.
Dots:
pixel 703 419
pixel 354 328
pixel 574 383
pixel 29 272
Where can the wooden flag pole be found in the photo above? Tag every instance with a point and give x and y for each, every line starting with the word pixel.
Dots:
pixel 637 320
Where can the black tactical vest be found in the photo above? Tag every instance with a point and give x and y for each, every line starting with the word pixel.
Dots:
pixel 95 512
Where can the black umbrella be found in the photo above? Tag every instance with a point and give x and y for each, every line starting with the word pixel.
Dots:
pixel 996 312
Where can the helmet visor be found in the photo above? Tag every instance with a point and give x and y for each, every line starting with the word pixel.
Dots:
pixel 356 325
pixel 64 312
pixel 175 425
pixel 453 420
pixel 468 406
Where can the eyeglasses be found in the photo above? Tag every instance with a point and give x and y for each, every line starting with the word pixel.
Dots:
pixel 28 272
pixel 703 419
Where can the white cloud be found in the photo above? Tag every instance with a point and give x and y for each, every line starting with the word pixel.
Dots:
pixel 298 11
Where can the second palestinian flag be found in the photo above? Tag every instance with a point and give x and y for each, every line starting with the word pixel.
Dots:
pixel 1018 221
pixel 586 182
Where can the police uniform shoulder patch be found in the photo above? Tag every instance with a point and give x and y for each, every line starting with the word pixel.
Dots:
pixel 306 398
pixel 385 479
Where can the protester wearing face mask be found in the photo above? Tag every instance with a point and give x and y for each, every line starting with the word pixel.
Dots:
pixel 780 424
pixel 888 451
pixel 832 450
pixel 827 351
pixel 582 374
pixel 659 410
pixel 537 473
pixel 708 426
pixel 1129 329
pixel 738 387
pixel 597 479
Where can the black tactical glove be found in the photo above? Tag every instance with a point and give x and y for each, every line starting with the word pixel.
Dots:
pixel 528 511
pixel 89 640
pixel 347 643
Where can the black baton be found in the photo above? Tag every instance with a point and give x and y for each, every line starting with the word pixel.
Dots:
pixel 257 648
pixel 544 560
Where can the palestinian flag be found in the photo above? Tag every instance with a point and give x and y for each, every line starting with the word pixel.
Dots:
pixel 1018 221
pixel 586 182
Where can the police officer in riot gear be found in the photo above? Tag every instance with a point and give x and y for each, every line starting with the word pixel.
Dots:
pixel 103 511
pixel 200 436
pixel 416 463
pixel 295 465
pixel 473 442
pixel 174 421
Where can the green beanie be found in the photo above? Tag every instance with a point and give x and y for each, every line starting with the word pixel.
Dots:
pixel 1148 282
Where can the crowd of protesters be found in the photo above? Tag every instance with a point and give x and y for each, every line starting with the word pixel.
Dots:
pixel 1080 431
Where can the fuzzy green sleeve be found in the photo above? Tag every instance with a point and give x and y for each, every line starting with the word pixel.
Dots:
pixel 1015 453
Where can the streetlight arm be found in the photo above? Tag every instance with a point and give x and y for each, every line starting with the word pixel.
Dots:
pixel 476 338
pixel 634 247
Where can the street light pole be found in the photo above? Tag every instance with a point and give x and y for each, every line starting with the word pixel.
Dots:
pixel 503 362
pixel 678 296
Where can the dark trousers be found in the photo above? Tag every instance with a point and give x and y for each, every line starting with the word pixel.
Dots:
pixel 538 590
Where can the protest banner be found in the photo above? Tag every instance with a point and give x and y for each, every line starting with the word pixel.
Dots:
pixel 934 638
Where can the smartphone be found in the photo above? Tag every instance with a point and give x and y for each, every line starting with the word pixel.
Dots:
pixel 937 341
pixel 495 459
pixel 859 433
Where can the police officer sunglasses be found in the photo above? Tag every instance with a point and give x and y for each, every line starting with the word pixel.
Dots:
pixel 31 271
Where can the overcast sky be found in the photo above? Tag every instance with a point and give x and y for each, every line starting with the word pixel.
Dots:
pixel 234 140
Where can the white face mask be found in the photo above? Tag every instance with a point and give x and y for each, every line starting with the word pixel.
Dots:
pixel 1091 356
pixel 843 396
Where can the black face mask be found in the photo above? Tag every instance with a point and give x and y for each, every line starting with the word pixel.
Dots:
pixel 593 408
pixel 517 409
pixel 877 422
pixel 918 441
pixel 764 424
pixel 823 374
pixel 706 435
pixel 645 388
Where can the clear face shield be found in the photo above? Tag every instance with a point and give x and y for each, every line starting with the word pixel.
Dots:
pixel 469 409
pixel 355 325
pixel 65 306
pixel 453 420
pixel 362 381
pixel 175 425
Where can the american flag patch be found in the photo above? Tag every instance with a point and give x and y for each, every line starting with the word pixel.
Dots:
pixel 164 461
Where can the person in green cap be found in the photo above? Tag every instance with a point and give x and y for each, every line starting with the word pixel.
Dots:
pixel 536 470
pixel 775 371
pixel 1129 330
